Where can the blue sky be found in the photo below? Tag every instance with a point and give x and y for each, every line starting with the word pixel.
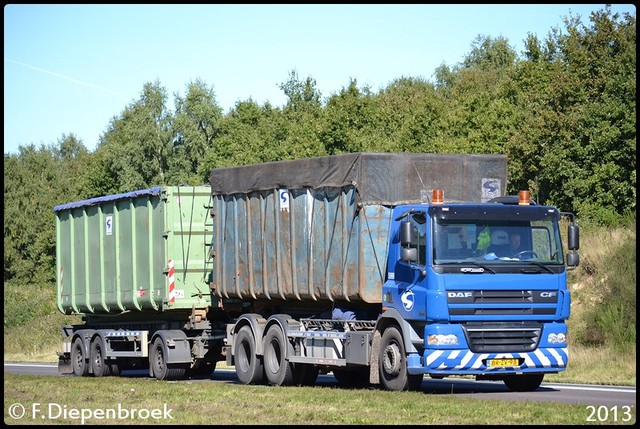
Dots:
pixel 72 68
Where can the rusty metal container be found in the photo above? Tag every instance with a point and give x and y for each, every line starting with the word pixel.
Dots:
pixel 319 228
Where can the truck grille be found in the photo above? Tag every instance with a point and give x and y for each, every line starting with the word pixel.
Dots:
pixel 502 336
pixel 502 302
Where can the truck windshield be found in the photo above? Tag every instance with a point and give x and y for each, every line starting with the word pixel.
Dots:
pixel 496 241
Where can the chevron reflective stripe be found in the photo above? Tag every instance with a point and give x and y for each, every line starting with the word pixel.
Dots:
pixel 464 361
pixel 61 283
pixel 559 358
pixel 172 283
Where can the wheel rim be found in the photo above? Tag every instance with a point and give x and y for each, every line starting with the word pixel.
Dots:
pixel 79 358
pixel 98 357
pixel 273 356
pixel 243 356
pixel 159 361
pixel 391 359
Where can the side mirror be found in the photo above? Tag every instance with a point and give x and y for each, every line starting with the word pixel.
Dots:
pixel 573 237
pixel 407 235
pixel 409 254
pixel 573 259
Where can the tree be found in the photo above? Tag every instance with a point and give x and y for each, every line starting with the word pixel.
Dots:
pixel 35 181
pixel 134 152
pixel 196 125
pixel 576 144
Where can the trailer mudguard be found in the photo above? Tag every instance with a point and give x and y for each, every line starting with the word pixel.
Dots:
pixel 176 346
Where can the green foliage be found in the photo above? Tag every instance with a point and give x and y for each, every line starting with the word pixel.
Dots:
pixel 23 304
pixel 35 181
pixel 613 322
pixel 196 125
pixel 576 142
pixel 488 53
pixel 135 150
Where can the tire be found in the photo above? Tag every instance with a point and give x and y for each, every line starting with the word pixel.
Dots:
pixel 158 362
pixel 249 368
pixel 305 374
pixel 352 378
pixel 115 367
pixel 392 363
pixel 99 365
pixel 78 359
pixel 524 382
pixel 204 368
pixel 277 369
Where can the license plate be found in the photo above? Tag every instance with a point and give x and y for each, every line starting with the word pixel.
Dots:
pixel 504 362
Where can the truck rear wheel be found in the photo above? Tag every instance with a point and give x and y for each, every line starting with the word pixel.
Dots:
pixel 249 368
pixel 99 366
pixel 158 361
pixel 524 382
pixel 392 363
pixel 277 368
pixel 79 358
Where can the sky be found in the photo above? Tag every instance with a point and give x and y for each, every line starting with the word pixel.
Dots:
pixel 71 69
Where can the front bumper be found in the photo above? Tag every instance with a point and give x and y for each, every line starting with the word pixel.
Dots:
pixel 464 362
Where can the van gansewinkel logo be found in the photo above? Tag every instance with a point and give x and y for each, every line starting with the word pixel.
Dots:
pixel 408 299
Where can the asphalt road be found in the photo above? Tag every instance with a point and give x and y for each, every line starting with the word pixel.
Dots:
pixel 592 396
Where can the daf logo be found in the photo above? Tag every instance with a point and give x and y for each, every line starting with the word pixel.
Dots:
pixel 408 299
pixel 459 294
pixel 548 294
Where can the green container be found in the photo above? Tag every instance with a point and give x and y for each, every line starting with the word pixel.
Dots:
pixel 134 252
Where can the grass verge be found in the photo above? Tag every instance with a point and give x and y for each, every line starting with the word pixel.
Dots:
pixel 226 404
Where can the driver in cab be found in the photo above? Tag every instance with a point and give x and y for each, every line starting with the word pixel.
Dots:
pixel 515 241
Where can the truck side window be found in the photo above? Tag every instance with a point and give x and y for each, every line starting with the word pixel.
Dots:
pixel 419 222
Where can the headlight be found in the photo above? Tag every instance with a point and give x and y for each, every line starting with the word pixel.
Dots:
pixel 442 340
pixel 557 338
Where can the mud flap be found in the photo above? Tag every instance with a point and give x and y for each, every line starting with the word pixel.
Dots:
pixel 64 364
pixel 374 373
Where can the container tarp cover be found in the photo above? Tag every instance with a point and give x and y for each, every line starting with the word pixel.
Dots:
pixel 379 178
pixel 108 198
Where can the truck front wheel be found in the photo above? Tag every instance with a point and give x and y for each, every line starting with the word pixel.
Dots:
pixel 79 358
pixel 249 368
pixel 392 363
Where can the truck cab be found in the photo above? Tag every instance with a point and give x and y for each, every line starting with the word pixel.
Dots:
pixel 476 307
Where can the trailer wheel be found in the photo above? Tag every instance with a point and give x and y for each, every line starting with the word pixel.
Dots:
pixel 524 382
pixel 78 358
pixel 249 368
pixel 158 361
pixel 99 366
pixel 277 368
pixel 392 363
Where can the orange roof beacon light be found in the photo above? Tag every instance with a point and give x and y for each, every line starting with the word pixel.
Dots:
pixel 438 197
pixel 523 198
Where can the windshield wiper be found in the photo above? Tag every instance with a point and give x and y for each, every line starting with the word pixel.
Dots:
pixel 538 264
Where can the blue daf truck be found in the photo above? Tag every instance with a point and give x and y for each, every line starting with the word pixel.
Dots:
pixel 381 268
